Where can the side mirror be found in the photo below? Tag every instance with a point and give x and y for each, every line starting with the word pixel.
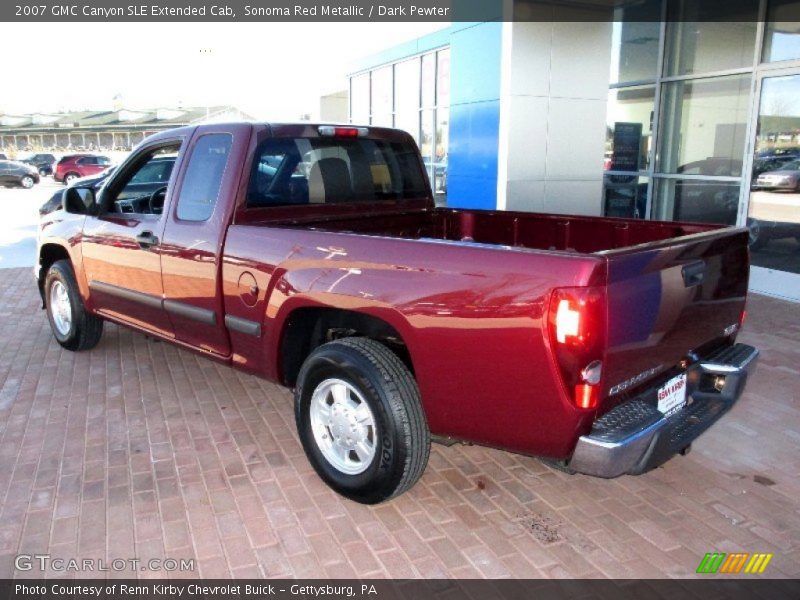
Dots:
pixel 79 200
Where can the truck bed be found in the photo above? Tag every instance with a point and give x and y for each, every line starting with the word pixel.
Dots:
pixel 572 233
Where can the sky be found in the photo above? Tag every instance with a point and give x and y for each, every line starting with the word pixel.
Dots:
pixel 269 70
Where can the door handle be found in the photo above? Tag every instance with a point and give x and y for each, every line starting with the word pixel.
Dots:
pixel 146 240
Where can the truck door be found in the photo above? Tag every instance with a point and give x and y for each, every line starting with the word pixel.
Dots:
pixel 195 233
pixel 121 248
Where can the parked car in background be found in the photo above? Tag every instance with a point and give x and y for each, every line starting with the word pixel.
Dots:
pixel 314 256
pixel 786 177
pixel 17 174
pixel 43 163
pixel 716 166
pixel 763 165
pixel 74 166
pixel 3 156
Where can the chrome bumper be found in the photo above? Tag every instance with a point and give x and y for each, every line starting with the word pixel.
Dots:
pixel 635 437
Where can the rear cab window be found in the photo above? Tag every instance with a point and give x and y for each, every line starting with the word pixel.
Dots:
pixel 307 171
pixel 201 185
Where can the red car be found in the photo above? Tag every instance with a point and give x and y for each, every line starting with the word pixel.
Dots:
pixel 74 166
pixel 315 256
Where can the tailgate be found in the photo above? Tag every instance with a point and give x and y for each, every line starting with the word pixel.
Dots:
pixel 668 299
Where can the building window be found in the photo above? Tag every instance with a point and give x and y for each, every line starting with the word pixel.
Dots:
pixel 629 128
pixel 413 95
pixel 382 103
pixel 698 200
pixel 704 37
pixel 680 101
pixel 782 35
pixel 625 196
pixel 406 96
pixel 704 123
pixel 634 46
pixel 359 99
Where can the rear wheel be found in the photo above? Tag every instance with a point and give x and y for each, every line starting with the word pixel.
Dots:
pixel 360 420
pixel 73 327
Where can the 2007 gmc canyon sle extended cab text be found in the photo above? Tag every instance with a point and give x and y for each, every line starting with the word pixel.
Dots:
pixel 314 256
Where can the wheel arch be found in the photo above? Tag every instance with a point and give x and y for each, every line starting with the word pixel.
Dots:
pixel 308 326
pixel 49 253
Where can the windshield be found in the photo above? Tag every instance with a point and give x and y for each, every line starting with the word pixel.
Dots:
pixel 333 171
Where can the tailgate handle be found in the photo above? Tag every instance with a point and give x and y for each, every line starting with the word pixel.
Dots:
pixel 694 273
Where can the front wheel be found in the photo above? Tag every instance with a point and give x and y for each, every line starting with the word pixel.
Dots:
pixel 69 178
pixel 360 420
pixel 73 327
pixel 27 182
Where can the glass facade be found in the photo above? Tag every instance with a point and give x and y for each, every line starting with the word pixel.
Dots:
pixel 413 95
pixel 703 120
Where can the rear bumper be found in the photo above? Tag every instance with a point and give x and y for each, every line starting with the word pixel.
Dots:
pixel 635 437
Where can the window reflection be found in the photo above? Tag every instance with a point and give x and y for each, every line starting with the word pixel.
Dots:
pixel 782 35
pixel 625 196
pixel 704 125
pixel 774 208
pixel 708 36
pixel 634 50
pixel 696 201
pixel 629 128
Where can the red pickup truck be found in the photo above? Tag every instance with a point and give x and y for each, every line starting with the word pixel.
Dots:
pixel 314 256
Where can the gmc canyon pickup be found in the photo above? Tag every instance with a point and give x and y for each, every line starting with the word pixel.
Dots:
pixel 314 256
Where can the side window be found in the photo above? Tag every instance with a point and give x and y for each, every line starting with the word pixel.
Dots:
pixel 201 185
pixel 102 160
pixel 140 190
pixel 155 171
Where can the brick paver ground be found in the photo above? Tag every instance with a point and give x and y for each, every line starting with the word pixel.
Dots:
pixel 138 449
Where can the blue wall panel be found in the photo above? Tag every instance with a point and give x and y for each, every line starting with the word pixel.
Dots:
pixel 473 154
pixel 475 54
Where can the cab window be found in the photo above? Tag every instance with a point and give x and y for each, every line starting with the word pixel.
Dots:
pixel 201 185
pixel 142 188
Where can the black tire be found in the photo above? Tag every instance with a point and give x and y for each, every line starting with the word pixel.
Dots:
pixel 558 465
pixel 85 329
pixel 389 389
pixel 27 182
pixel 70 176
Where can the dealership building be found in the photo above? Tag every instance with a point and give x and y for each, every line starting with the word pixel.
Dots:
pixel 687 118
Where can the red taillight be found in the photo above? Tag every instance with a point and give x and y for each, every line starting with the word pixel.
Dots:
pixel 577 327
pixel 345 132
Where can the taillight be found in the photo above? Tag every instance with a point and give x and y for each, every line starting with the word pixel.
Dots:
pixel 577 329
pixel 345 132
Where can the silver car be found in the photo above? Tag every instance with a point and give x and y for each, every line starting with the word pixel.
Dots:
pixel 785 178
